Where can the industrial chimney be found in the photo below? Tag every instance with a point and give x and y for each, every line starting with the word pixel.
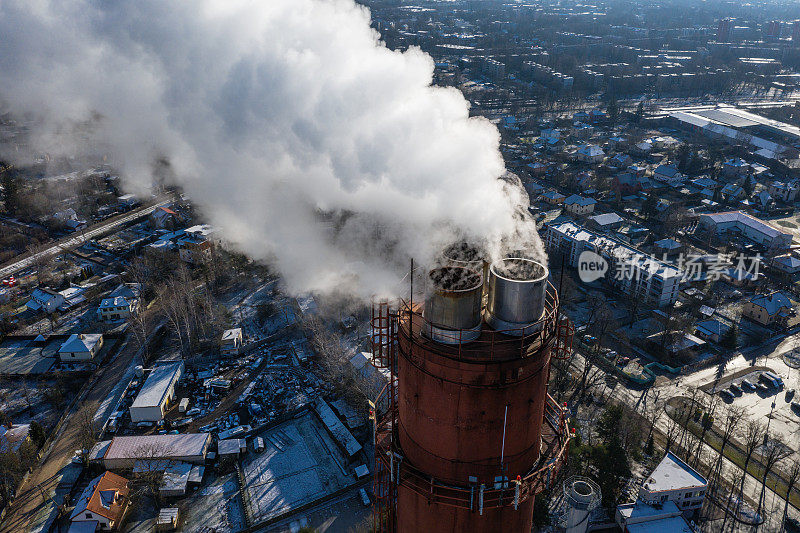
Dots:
pixel 472 435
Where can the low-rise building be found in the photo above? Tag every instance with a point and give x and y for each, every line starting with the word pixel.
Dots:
pixel 591 153
pixel 117 308
pixel 741 224
pixel 81 347
pixel 157 393
pixel 770 309
pixel 104 502
pixel 122 453
pixel 231 342
pixel 553 197
pixel 195 249
pixel 579 205
pixel 675 481
pixel 45 300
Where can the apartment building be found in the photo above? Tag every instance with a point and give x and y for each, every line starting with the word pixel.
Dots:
pixel 629 270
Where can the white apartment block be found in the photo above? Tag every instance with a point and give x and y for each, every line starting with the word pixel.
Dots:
pixel 633 272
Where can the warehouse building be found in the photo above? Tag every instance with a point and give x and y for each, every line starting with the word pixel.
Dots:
pixel 157 393
pixel 122 453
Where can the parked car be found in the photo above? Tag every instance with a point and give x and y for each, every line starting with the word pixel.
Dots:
pixel 747 385
pixel 364 498
pixel 789 394
pixel 726 395
pixel 736 389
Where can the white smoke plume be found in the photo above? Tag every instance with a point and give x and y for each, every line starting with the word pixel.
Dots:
pixel 300 135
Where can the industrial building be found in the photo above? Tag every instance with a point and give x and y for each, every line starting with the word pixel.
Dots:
pixel 471 436
pixel 157 392
pixel 122 453
pixel 747 226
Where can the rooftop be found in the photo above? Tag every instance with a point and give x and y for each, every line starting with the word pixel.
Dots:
pixel 83 342
pixel 100 497
pixel 183 445
pixel 672 474
pixel 157 385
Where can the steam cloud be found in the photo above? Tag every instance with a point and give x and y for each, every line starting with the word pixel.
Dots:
pixel 308 142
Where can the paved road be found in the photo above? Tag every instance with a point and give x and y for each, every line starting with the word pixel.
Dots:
pixel 79 238
pixel 29 512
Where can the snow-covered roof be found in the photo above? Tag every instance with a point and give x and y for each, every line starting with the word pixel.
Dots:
pixel 673 474
pixel 157 385
pixel 579 200
pixel 83 342
pixel 773 302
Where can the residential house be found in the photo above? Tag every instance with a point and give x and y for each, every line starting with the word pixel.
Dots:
pixel 732 191
pixel 711 330
pixel 668 174
pixel 579 205
pixel 164 218
pixel 195 249
pixel 784 191
pixel 117 308
pixel 45 300
pixel 736 168
pixel 605 222
pixel 773 309
pixel 788 265
pixel 554 197
pixel 104 502
pixel 590 153
pixel 80 347
pixel 667 247
pixel 620 161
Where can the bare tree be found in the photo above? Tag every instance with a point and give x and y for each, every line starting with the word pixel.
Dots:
pixel 733 417
pixel 86 427
pixel 775 452
pixel 752 439
pixel 150 466
pixel 791 481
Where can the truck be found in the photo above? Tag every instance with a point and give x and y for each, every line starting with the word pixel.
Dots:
pixel 183 405
pixel 771 379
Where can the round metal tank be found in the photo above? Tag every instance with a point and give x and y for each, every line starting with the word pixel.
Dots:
pixel 517 289
pixel 453 305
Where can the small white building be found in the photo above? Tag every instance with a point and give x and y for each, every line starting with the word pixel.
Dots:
pixel 674 481
pixel 80 347
pixel 117 308
pixel 157 392
pixel 231 342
